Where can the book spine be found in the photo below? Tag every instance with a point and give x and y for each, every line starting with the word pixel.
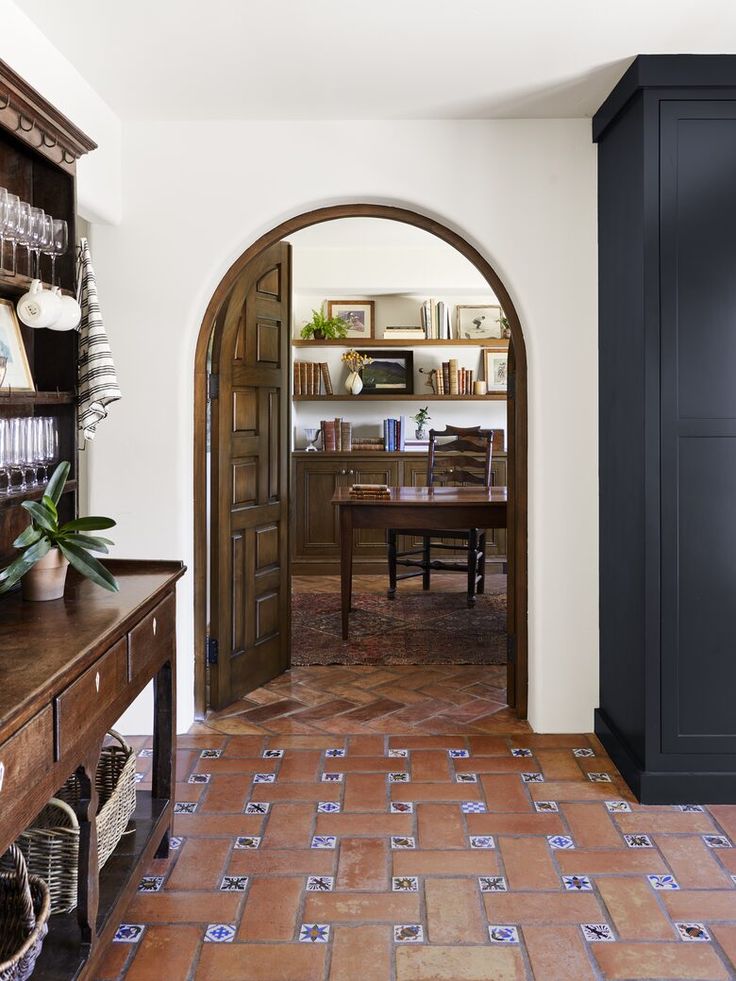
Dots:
pixel 385 435
pixel 329 436
pixel 433 319
pixel 326 380
pixel 402 433
pixel 297 378
pixel 446 377
pixel 346 436
pixel 338 433
pixel 303 377
pixel 452 366
pixel 470 381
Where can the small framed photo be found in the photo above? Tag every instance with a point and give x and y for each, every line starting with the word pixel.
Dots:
pixel 390 372
pixel 478 322
pixel 359 315
pixel 18 376
pixel 496 369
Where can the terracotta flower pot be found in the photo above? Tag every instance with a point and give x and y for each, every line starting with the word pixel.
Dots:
pixel 46 580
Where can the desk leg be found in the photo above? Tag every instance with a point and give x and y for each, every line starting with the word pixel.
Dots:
pixel 346 567
pixel 164 754
pixel 88 877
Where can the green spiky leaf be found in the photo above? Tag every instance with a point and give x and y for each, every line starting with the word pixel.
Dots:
pixel 90 523
pixel 91 542
pixel 88 566
pixel 55 485
pixel 17 569
pixel 28 537
pixel 41 516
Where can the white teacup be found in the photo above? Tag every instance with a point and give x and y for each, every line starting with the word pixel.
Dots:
pixel 39 307
pixel 71 312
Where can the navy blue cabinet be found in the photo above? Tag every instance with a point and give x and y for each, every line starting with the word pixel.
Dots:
pixel 667 403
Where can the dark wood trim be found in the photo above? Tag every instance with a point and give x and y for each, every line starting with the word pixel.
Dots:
pixel 518 504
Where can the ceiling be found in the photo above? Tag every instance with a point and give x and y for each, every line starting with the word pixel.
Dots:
pixel 369 59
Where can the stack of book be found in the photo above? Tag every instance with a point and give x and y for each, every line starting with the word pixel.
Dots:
pixel 371 492
pixel 337 435
pixel 404 334
pixel 312 378
pixel 452 380
pixel 435 319
pixel 370 443
pixel 416 445
pixel 394 434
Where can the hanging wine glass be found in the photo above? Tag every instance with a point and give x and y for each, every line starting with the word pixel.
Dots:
pixel 11 226
pixel 5 452
pixel 46 241
pixel 3 222
pixel 23 232
pixel 61 243
pixel 35 232
pixel 17 451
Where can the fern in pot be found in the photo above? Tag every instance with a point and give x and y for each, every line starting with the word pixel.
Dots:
pixel 48 548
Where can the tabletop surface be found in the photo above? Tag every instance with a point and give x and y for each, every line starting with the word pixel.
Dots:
pixel 428 496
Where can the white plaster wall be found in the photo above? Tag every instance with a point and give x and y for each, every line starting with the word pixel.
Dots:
pixel 522 191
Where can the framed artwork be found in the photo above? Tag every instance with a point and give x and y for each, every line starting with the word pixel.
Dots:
pixel 359 315
pixel 390 372
pixel 17 370
pixel 496 369
pixel 478 322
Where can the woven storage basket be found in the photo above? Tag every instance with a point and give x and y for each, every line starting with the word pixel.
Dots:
pixel 51 844
pixel 24 913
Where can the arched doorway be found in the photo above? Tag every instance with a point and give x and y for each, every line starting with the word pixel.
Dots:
pixel 516 436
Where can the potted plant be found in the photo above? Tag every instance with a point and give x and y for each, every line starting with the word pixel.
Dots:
pixel 49 548
pixel 421 419
pixel 322 328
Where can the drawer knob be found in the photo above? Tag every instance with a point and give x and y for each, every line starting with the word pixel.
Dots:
pixel 97 681
pixel 155 626
pixel 2 774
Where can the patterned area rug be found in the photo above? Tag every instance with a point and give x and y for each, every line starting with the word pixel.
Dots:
pixel 416 628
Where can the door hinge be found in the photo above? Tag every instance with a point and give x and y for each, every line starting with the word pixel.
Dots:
pixel 213 387
pixel 511 648
pixel 212 650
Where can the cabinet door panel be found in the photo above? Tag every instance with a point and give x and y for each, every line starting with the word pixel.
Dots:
pixel 317 531
pixel 371 543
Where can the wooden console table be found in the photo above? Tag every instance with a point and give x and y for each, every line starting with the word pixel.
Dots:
pixel 436 508
pixel 68 670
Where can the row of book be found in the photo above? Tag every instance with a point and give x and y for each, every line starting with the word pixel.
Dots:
pixel 452 380
pixel 435 320
pixel 312 378
pixel 337 435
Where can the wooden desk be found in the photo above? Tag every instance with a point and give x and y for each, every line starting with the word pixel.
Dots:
pixel 435 508
pixel 68 670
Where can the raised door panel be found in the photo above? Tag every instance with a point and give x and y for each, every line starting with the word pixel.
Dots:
pixel 414 474
pixel 317 530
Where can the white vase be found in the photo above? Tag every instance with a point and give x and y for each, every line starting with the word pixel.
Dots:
pixel 354 383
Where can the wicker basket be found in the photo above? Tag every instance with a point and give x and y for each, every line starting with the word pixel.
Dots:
pixel 24 914
pixel 51 844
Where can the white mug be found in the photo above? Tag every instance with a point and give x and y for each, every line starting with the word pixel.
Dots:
pixel 39 307
pixel 71 312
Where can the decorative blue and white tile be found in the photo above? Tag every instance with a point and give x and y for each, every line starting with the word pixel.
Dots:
pixel 458 754
pixel 401 807
pixel 492 883
pixel 638 841
pixel 717 841
pixel 185 807
pixel 473 807
pixel 693 932
pixel 399 777
pixel 398 754
pixel 733 879
pixel 403 841
pixel 466 777
pixel 599 777
pixel 219 933
pixel 532 777
pixel 258 807
pixel 332 777
pixel 502 934
pixel 560 841
pixel 334 754
pixel 408 933
pixel 618 806
pixel 264 778
pixel 314 933
pixel 146 754
pixel 324 841
pixel 663 882
pixel 597 932
pixel 200 778
pixel 482 841
pixel 405 883
pixel 521 752
pixel 577 883
pixel 583 752
pixel 272 754
pixel 151 883
pixel 691 808
pixel 139 777
pixel 328 806
pixel 210 754
pixel 234 883
pixel 128 933
pixel 320 883
pixel 545 806
pixel 247 841
pixel 175 842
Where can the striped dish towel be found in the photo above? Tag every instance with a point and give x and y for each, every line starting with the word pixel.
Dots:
pixel 98 383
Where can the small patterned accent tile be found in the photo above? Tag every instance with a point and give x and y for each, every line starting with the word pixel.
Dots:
pixel 185 807
pixel 473 807
pixel 128 933
pixel 458 754
pixel 733 879
pixel 532 777
pixel 332 777
pixel 219 933
pixel 560 841
pixel 663 882
pixel 409 933
pixel 328 806
pixel 247 841
pixel 618 806
pixel 139 777
pixel 501 934
pixel 717 841
pixel 258 807
pixel 399 778
pixel 335 754
pixel 401 807
pixel 482 841
pixel 273 754
pixel 638 841
pixel 597 932
pixel 210 754
pixel 600 777
pixel 320 883
pixel 324 841
pixel 521 752
pixel 314 933
pixel 693 932
pixel 145 754
pixel 583 752
pixel 151 883
pixel 398 754
pixel 175 842
pixel 691 808
pixel 234 883
pixel 492 883
pixel 544 806
pixel 264 778
pixel 200 778
pixel 403 841
pixel 466 777
pixel 577 883
pixel 405 883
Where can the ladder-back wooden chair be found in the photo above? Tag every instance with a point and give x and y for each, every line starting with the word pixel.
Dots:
pixel 457 457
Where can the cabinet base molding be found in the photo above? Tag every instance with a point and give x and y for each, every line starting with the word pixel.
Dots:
pixel 664 786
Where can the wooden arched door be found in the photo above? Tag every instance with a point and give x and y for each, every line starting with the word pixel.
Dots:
pixel 249 600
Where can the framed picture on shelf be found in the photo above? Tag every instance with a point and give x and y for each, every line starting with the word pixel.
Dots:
pixel 18 376
pixel 496 369
pixel 390 373
pixel 477 322
pixel 359 315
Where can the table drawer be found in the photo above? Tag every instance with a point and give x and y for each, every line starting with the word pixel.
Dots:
pixel 82 704
pixel 26 757
pixel 152 640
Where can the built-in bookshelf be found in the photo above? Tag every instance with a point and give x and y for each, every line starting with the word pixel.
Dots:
pixel 401 397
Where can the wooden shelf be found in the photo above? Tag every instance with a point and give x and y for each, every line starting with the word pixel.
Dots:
pixel 19 284
pixel 32 494
pixel 36 398
pixel 491 397
pixel 497 343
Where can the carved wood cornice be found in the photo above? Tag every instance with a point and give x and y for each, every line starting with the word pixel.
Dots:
pixel 31 118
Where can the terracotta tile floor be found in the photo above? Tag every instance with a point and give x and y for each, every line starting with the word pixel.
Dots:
pixel 376 856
